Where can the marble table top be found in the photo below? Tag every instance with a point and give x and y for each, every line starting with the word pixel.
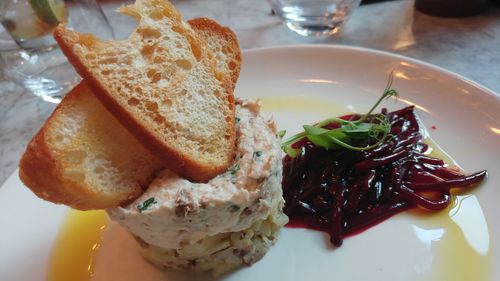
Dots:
pixel 467 46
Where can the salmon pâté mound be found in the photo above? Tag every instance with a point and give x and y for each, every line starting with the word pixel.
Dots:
pixel 230 221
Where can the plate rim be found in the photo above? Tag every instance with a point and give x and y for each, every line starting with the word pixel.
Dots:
pixel 376 52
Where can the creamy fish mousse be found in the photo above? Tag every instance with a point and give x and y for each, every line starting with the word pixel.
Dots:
pixel 231 220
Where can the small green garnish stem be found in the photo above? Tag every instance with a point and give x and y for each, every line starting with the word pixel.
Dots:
pixel 234 169
pixel 145 205
pixel 388 92
pixel 341 138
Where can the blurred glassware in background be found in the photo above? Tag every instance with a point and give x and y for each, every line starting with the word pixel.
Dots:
pixel 29 54
pixel 314 17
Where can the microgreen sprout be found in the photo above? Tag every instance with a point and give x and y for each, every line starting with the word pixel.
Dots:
pixel 368 126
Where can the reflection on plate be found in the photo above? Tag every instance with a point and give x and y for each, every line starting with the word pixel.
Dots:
pixel 300 85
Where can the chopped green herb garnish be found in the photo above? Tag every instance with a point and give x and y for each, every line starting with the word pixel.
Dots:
pixel 257 154
pixel 377 128
pixel 145 205
pixel 234 169
pixel 237 119
pixel 233 208
pixel 281 134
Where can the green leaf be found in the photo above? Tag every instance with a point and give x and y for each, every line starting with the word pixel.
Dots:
pixel 337 134
pixel 292 152
pixel 356 128
pixel 340 139
pixel 321 140
pixel 330 139
pixel 358 135
pixel 312 130
pixel 145 205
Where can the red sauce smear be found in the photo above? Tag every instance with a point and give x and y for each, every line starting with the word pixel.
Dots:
pixel 343 192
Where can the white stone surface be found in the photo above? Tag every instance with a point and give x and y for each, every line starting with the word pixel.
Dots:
pixel 467 46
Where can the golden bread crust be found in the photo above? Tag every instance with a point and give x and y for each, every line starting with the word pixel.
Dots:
pixel 232 46
pixel 42 168
pixel 188 165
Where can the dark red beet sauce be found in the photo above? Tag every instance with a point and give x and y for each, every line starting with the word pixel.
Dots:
pixel 343 192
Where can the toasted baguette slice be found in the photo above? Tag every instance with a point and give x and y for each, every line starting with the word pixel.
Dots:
pixel 162 84
pixel 84 158
pixel 99 164
pixel 224 45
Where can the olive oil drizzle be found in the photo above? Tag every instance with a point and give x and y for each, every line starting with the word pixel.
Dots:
pixel 454 257
pixel 76 246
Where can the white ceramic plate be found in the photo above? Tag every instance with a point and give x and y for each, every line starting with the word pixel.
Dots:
pixel 300 85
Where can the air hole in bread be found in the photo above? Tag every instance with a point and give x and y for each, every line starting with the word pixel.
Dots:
pixel 156 15
pixel 76 156
pixel 154 75
pixel 159 119
pixel 147 51
pixel 210 149
pixel 75 175
pixel 150 73
pixel 158 59
pixel 133 101
pixel 138 91
pixel 156 78
pixel 99 170
pixel 232 65
pixel 152 106
pixel 219 76
pixel 108 61
pixel 202 93
pixel 166 102
pixel 148 33
pixel 184 64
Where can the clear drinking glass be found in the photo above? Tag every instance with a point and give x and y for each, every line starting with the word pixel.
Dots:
pixel 31 56
pixel 314 17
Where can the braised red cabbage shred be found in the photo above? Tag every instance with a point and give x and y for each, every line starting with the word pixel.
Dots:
pixel 343 192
